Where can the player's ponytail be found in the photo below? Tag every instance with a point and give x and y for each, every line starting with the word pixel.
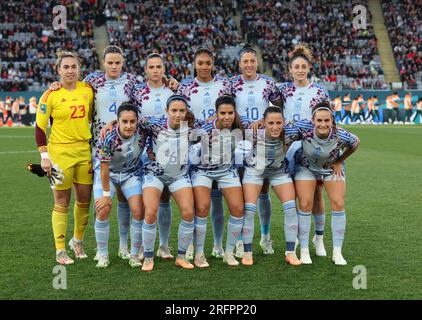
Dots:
pixel 301 50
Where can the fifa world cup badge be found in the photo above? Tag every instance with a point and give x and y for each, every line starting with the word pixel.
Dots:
pixel 43 108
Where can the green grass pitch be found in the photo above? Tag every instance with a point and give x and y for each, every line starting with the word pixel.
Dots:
pixel 383 234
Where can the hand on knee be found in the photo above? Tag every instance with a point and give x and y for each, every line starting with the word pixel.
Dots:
pixel 103 213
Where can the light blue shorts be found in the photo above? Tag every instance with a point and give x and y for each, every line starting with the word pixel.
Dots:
pixel 131 186
pixel 303 173
pixel 229 179
pixel 152 181
pixel 277 178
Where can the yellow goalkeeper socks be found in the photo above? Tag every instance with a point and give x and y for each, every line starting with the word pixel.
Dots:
pixel 81 213
pixel 59 222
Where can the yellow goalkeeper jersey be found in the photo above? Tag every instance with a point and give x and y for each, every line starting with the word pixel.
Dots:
pixel 70 113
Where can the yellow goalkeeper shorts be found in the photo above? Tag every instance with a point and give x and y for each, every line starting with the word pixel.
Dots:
pixel 75 161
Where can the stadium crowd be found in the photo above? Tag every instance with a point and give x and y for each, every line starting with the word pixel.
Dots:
pixel 402 19
pixel 347 58
pixel 28 42
pixel 175 29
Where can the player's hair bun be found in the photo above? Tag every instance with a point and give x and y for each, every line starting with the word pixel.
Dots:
pixel 303 51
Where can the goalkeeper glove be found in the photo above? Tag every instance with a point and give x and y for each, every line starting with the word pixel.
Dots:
pixel 56 177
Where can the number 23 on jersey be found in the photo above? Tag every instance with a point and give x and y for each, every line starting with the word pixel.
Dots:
pixel 78 112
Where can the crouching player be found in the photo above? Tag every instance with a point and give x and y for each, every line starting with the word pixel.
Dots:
pixel 216 166
pixel 268 161
pixel 167 166
pixel 119 154
pixel 324 149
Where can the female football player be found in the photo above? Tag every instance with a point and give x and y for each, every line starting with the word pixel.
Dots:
pixel 301 96
pixel 253 93
pixel 70 111
pixel 269 163
pixel 167 166
pixel 120 156
pixel 153 94
pixel 216 166
pixel 324 150
pixel 201 94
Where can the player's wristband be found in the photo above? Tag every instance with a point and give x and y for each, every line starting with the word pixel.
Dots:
pixel 106 194
pixel 44 155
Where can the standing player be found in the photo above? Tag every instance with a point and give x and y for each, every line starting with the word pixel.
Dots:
pixel 216 166
pixel 362 108
pixel 325 148
pixel 355 110
pixel 347 107
pixel 301 96
pixel 167 166
pixel 270 163
pixel 396 107
pixel 337 108
pixel 120 156
pixel 153 95
pixel 253 93
pixel 111 89
pixel 418 111
pixel 408 108
pixel 373 110
pixel 70 111
pixel 201 94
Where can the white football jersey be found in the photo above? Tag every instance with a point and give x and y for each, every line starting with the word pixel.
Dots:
pixel 153 100
pixel 201 96
pixel 299 101
pixel 254 96
pixel 109 95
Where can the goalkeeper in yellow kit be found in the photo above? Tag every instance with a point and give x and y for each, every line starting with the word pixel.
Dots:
pixel 69 111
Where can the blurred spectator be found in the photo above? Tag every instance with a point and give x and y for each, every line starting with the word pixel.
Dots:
pixel 28 42
pixel 403 22
pixel 342 53
pixel 175 30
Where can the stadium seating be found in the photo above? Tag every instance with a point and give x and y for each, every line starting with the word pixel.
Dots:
pixel 28 42
pixel 175 29
pixel 344 55
pixel 402 19
pixel 346 59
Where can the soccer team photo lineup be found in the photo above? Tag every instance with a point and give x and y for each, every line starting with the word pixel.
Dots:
pixel 202 142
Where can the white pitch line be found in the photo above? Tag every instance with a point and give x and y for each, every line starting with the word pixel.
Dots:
pixel 14 152
pixel 14 137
